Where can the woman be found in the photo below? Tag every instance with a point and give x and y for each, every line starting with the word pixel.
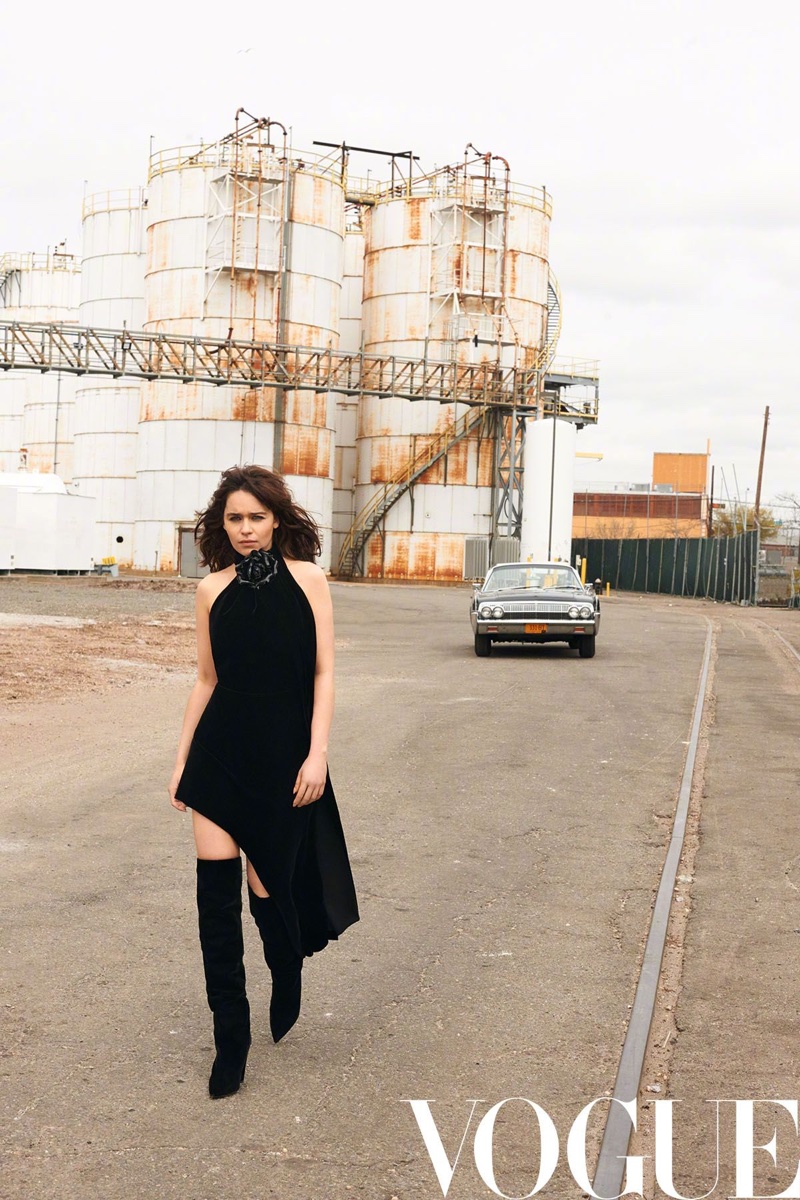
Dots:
pixel 252 757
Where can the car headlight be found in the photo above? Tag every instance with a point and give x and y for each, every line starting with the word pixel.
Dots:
pixel 497 613
pixel 587 612
pixel 574 613
pixel 485 611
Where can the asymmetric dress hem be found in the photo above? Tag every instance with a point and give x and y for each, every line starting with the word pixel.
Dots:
pixel 249 744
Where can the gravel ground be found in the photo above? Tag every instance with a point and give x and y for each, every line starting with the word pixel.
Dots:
pixel 65 636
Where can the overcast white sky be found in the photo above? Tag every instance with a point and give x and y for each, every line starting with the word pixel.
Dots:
pixel 666 132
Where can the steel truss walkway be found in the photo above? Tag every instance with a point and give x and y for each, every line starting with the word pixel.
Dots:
pixel 81 350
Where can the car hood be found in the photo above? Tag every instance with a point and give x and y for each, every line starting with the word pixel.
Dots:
pixel 536 595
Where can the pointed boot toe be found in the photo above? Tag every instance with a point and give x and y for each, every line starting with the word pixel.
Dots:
pixel 284 1007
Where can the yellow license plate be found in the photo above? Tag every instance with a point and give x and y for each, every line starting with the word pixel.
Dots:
pixel 536 629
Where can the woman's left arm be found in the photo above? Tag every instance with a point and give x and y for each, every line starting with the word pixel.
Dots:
pixel 310 782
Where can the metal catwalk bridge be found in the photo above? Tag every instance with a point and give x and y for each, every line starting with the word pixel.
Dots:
pixel 82 350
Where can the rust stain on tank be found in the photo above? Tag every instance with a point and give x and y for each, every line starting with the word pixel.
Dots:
pixel 417 229
pixel 458 463
pixel 173 402
pixel 423 559
pixel 458 266
pixel 485 462
pixel 288 463
pixel 423 444
pixel 389 457
pixel 313 451
pixel 369 275
pixel 374 556
pixel 512 257
pixel 449 557
pixel 258 404
pixel 396 557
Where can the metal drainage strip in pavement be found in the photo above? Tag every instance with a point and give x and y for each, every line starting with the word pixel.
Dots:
pixel 617 1133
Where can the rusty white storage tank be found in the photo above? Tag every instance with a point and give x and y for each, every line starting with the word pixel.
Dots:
pixel 107 410
pixel 36 410
pixel 244 241
pixel 346 412
pixel 455 269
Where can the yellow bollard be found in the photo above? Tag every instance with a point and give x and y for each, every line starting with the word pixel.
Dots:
pixel 608 589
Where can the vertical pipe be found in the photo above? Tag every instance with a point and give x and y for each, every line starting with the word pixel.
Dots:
pixel 761 460
pixel 55 434
pixel 512 454
pixel 552 493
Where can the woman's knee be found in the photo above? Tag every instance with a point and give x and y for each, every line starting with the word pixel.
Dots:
pixel 255 883
pixel 210 840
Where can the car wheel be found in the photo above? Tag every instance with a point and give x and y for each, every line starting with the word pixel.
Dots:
pixel 586 647
pixel 483 645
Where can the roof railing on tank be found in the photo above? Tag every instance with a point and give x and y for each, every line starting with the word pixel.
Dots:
pixel 53 260
pixel 111 201
pixel 575 368
pixel 252 159
pixel 441 185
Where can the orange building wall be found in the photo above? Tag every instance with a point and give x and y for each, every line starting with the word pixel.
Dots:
pixel 638 515
pixel 685 472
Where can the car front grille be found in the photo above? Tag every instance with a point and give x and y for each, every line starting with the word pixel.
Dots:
pixel 542 611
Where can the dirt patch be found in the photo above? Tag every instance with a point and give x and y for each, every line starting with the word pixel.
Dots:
pixel 45 661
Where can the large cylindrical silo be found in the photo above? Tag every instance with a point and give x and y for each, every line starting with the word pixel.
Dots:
pixel 107 410
pixel 455 270
pixel 243 242
pixel 36 410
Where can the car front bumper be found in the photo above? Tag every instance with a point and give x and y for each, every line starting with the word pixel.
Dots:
pixel 548 631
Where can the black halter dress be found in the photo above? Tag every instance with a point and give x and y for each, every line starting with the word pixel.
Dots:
pixel 251 741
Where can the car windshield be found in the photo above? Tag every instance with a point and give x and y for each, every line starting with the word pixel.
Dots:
pixel 530 575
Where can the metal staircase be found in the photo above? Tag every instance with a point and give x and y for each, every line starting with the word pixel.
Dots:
pixel 370 517
pixel 553 329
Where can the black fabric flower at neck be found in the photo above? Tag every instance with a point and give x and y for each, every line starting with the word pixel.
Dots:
pixel 258 568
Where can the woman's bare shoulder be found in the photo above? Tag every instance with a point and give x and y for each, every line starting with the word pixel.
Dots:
pixel 212 584
pixel 309 575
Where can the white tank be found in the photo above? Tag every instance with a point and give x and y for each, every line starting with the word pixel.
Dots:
pixel 36 410
pixel 242 242
pixel 107 410
pixel 549 492
pixel 455 269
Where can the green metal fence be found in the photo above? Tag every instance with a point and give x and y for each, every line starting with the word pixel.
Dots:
pixel 715 568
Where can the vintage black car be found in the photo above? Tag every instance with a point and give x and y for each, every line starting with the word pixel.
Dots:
pixel 535 602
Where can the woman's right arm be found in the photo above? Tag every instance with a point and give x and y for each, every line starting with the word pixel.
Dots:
pixel 200 693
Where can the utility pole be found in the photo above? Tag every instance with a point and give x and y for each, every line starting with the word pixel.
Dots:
pixel 761 461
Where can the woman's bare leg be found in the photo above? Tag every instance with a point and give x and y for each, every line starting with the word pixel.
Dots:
pixel 255 883
pixel 211 841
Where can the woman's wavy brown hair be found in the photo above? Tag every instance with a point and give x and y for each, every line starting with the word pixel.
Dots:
pixel 296 535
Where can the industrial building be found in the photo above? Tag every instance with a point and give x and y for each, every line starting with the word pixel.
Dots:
pixel 388 346
pixel 676 503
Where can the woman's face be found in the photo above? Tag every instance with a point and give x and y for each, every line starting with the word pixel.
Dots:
pixel 248 524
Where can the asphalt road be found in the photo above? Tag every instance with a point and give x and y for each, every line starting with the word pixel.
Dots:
pixel 507 819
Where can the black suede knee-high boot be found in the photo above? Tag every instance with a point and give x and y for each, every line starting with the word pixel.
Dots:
pixel 284 963
pixel 219 911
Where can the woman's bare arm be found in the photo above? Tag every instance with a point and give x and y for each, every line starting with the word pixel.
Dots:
pixel 310 782
pixel 201 692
